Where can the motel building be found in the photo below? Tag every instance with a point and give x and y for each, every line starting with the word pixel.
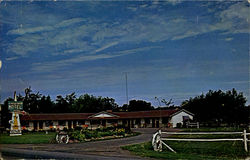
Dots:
pixel 139 119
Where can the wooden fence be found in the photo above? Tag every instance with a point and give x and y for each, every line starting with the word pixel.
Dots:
pixel 157 139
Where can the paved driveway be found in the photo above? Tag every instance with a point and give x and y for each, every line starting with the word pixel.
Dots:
pixel 93 150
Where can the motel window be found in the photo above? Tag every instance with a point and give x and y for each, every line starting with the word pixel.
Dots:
pixel 138 121
pixel 111 121
pixel 81 122
pixel 25 123
pixel 124 122
pixel 95 122
pixel 147 121
pixel 62 123
pixel 165 120
pixel 48 123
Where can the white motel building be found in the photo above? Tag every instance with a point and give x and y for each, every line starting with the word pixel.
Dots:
pixel 139 119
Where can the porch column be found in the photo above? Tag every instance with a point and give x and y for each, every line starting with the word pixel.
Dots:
pixel 38 126
pixel 67 126
pixel 160 122
pixel 31 126
pixel 44 126
pixel 143 123
pixel 119 122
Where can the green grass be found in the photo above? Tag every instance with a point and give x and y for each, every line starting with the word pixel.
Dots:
pixel 194 150
pixel 28 138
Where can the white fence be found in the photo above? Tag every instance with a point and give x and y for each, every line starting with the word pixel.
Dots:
pixel 193 124
pixel 157 139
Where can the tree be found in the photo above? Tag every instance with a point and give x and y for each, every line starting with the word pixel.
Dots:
pixel 5 114
pixel 61 105
pixel 167 103
pixel 89 104
pixel 138 105
pixel 31 101
pixel 46 105
pixel 219 107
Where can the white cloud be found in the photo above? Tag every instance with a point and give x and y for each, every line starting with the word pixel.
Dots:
pixel 69 22
pixel 106 46
pixel 80 35
pixel 12 58
pixel 51 66
pixel 229 39
pixel 21 31
pixel 28 30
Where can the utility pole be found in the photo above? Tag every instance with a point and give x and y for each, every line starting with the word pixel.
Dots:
pixel 126 76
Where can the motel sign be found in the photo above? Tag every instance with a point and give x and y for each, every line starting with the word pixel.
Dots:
pixel 15 107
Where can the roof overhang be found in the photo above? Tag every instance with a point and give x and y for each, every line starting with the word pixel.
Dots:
pixel 182 110
pixel 103 115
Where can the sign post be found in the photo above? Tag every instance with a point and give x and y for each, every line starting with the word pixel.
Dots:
pixel 15 107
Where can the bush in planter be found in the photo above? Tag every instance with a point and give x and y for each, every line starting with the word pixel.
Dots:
pixel 110 128
pixel 89 134
pixel 107 133
pixel 120 131
pixel 77 135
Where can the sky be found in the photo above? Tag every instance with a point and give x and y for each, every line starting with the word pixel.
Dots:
pixel 168 49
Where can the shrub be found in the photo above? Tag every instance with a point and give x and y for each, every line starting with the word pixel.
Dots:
pixel 120 131
pixel 77 135
pixel 78 128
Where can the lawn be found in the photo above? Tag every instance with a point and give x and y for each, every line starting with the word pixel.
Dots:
pixel 28 138
pixel 195 150
pixel 83 135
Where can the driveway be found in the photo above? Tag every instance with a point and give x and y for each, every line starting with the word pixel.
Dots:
pixel 90 150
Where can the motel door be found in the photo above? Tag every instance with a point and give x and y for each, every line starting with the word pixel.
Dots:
pixel 128 123
pixel 157 124
pixel 74 124
pixel 153 123
pixel 35 125
pixel 104 123
pixel 40 125
pixel 69 124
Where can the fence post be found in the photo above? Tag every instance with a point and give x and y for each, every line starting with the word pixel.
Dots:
pixel 198 125
pixel 245 139
pixel 160 147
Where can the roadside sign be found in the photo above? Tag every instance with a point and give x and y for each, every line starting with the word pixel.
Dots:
pixel 15 105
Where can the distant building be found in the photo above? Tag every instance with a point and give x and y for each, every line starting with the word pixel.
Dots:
pixel 139 119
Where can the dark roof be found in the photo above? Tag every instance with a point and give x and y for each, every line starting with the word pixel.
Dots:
pixel 57 116
pixel 117 115
pixel 146 114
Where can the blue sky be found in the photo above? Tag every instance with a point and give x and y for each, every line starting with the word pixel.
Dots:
pixel 169 49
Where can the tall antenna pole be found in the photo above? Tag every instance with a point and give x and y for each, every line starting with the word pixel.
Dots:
pixel 126 76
